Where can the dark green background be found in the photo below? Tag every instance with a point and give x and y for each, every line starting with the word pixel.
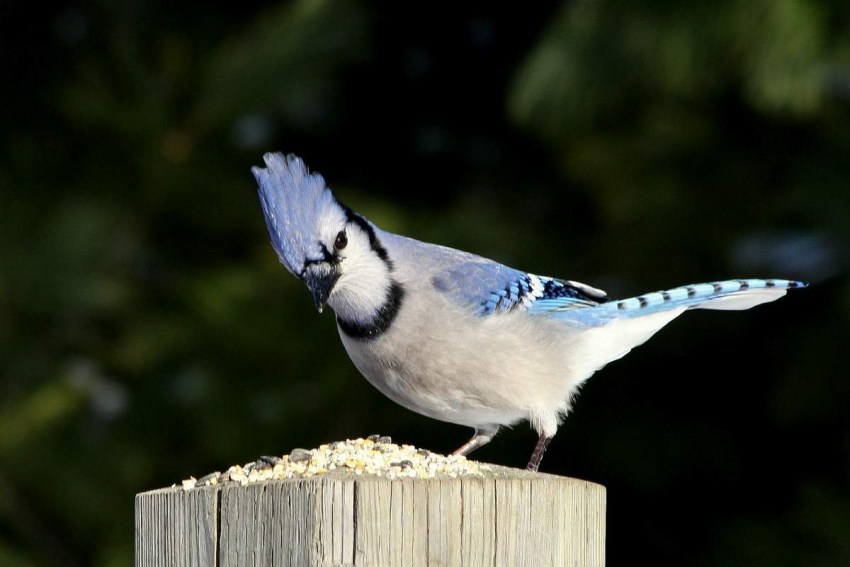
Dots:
pixel 148 332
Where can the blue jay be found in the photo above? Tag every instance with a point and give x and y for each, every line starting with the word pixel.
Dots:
pixel 455 336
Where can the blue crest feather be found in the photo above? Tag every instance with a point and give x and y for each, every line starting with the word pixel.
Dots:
pixel 296 203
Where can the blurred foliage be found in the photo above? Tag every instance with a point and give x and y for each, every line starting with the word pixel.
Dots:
pixel 147 332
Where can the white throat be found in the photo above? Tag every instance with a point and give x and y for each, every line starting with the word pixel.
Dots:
pixel 362 289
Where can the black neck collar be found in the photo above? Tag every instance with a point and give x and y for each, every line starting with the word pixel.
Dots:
pixel 382 320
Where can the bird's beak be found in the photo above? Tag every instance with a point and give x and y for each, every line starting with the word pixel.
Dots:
pixel 321 278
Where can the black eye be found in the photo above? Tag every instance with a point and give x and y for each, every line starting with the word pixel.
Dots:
pixel 341 240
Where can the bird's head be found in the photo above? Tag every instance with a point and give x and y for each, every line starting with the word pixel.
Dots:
pixel 332 249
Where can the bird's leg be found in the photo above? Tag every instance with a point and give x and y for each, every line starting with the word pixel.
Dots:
pixel 481 438
pixel 537 455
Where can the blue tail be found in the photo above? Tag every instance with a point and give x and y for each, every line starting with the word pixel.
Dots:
pixel 612 329
pixel 725 295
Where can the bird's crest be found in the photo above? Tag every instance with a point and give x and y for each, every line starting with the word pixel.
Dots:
pixel 298 207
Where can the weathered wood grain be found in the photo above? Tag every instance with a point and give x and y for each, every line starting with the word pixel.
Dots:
pixel 507 518
pixel 176 528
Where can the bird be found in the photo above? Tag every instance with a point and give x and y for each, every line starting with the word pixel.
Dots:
pixel 455 336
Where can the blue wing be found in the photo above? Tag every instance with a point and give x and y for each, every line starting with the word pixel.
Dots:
pixel 493 288
pixel 569 299
pixel 541 294
pixel 488 288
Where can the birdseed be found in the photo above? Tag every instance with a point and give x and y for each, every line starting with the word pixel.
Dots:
pixel 377 455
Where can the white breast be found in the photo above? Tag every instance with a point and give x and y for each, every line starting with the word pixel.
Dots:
pixel 456 366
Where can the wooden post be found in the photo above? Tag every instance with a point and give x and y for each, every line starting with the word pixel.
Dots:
pixel 506 517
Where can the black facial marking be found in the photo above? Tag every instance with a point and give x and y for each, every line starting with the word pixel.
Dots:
pixel 691 292
pixel 769 283
pixel 364 225
pixel 382 321
pixel 718 288
pixel 643 302
pixel 326 257
pixel 744 285
pixel 665 296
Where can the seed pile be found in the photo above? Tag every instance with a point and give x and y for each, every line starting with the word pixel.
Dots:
pixel 376 455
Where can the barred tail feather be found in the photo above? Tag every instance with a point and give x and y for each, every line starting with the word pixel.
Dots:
pixel 612 329
pixel 726 295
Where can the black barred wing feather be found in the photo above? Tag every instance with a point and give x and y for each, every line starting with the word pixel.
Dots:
pixel 539 294
pixel 489 287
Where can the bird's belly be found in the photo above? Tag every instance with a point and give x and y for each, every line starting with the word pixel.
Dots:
pixel 434 394
pixel 473 377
